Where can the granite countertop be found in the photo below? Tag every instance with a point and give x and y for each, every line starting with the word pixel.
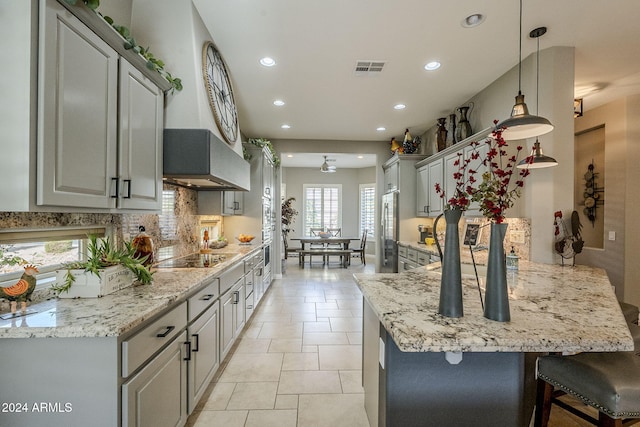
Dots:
pixel 553 309
pixel 116 314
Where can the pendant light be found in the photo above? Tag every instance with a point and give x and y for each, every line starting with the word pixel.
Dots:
pixel 537 160
pixel 521 124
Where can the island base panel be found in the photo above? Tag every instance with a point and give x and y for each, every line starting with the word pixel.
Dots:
pixel 484 389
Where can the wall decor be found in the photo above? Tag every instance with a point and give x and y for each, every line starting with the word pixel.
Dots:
pixel 592 194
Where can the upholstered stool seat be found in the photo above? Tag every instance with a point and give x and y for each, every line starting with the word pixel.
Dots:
pixel 609 382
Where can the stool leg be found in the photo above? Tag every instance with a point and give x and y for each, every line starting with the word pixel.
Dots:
pixel 543 403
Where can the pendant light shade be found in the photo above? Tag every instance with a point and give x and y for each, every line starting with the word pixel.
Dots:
pixel 521 124
pixel 537 160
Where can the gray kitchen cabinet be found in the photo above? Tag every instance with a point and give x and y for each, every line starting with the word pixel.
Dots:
pixel 205 353
pixel 232 316
pixel 223 203
pixel 92 140
pixel 450 167
pixel 156 396
pixel 435 173
pixel 391 178
pixel 423 188
pixel 141 123
pixel 155 390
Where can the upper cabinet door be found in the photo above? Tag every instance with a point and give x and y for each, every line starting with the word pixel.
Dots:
pixel 77 114
pixel 435 176
pixel 422 191
pixel 140 153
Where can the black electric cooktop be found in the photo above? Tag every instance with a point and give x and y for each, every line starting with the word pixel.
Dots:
pixel 195 261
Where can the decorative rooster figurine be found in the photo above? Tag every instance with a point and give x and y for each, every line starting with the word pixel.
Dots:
pixel 22 290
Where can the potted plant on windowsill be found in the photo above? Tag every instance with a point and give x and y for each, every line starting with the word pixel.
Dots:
pixel 106 270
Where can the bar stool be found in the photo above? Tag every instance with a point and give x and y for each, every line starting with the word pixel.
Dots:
pixel 608 382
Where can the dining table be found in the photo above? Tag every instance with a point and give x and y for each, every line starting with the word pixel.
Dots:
pixel 324 243
pixel 344 241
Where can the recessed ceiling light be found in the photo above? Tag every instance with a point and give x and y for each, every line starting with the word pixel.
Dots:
pixel 399 106
pixel 268 62
pixel 278 102
pixel 473 20
pixel 433 65
pixel 381 128
pixel 289 155
pixel 285 126
pixel 361 156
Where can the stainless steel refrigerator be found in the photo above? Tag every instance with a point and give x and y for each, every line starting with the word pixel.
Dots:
pixel 389 233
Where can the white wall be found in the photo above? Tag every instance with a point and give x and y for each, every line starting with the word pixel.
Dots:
pixel 621 203
pixel 175 33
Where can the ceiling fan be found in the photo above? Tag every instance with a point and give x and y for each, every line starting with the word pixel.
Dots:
pixel 325 168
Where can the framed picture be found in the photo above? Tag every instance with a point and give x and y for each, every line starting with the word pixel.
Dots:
pixel 471 234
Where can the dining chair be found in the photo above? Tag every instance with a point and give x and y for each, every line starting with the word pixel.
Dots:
pixel 287 249
pixel 315 231
pixel 360 251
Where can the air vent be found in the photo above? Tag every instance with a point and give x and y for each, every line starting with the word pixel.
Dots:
pixel 368 68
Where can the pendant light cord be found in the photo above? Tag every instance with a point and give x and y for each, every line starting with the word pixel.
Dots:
pixel 537 73
pixel 520 54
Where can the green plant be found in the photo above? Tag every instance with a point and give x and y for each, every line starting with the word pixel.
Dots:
pixel 261 142
pixel 102 254
pixel 8 259
pixel 153 63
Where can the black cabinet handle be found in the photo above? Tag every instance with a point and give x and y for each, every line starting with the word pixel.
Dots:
pixel 197 338
pixel 236 295
pixel 166 332
pixel 128 182
pixel 207 297
pixel 236 206
pixel 188 356
pixel 115 196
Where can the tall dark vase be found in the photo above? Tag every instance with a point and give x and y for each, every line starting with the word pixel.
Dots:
pixel 496 303
pixel 452 126
pixel 451 280
pixel 463 130
pixel 441 134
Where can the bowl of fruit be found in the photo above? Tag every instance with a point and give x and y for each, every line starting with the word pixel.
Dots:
pixel 245 239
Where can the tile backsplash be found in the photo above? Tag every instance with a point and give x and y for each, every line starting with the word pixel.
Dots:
pixel 178 229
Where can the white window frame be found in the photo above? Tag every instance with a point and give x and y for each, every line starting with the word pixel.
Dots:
pixel 304 203
pixel 47 274
pixel 362 189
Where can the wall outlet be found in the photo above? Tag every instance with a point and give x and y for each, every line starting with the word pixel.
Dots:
pixel 612 235
pixel 516 236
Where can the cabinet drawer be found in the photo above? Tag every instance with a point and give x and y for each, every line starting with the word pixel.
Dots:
pixel 203 299
pixel 402 251
pixel 412 254
pixel 231 276
pixel 423 258
pixel 152 338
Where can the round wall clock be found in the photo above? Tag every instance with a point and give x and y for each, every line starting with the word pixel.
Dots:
pixel 218 86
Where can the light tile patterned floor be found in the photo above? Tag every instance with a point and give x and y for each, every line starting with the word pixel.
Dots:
pixel 298 362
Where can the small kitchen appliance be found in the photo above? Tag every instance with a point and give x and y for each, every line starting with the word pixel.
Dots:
pixel 425 232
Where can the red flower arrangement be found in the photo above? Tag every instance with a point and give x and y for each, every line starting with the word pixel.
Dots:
pixel 497 193
pixel 464 178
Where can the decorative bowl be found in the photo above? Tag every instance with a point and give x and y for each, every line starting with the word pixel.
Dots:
pixel 324 234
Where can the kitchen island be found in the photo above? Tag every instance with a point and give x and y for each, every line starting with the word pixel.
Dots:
pixel 420 368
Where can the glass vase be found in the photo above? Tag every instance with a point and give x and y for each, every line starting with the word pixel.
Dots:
pixel 496 302
pixel 451 279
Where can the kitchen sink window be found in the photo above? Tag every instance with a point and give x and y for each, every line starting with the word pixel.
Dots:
pixel 46 249
pixel 367 208
pixel 322 206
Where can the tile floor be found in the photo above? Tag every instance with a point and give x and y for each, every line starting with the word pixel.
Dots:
pixel 298 361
